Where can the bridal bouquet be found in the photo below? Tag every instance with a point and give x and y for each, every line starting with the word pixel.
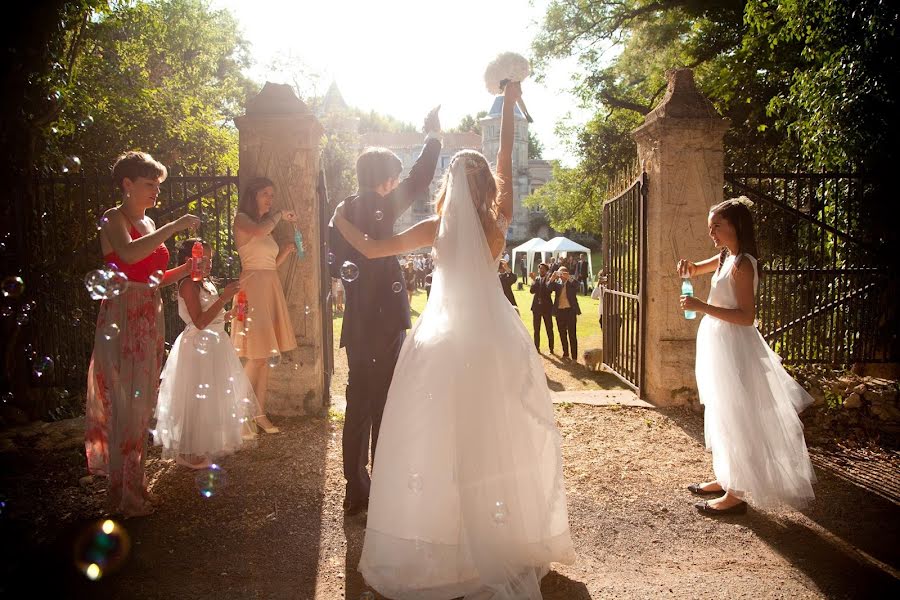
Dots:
pixel 507 67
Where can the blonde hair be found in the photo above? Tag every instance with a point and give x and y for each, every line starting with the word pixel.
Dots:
pixel 482 185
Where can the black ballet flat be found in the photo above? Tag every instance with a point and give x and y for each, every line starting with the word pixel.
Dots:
pixel 706 509
pixel 695 488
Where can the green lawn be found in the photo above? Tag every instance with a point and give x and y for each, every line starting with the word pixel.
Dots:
pixel 588 325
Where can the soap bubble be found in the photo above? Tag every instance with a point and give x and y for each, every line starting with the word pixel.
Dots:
pixel 500 513
pixel 155 279
pixel 211 481
pixel 101 549
pixel 12 287
pixel 306 310
pixel 116 283
pixel 274 359
pixel 349 271
pixel 96 283
pixel 379 215
pixel 102 223
pixel 330 258
pixel 72 164
pixel 110 332
pixel 396 287
pixel 204 340
pixel 43 367
pixel 414 482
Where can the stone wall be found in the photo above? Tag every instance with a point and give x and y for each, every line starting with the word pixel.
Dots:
pixel 680 146
pixel 279 139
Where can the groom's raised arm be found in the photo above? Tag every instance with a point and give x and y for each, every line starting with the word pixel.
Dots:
pixel 415 185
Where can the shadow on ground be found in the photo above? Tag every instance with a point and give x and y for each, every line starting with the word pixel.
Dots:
pixel 845 541
pixel 257 536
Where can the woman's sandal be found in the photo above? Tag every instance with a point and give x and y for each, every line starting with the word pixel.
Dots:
pixel 271 429
pixel 706 509
pixel 695 488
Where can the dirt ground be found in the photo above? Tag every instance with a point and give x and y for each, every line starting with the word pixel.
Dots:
pixel 275 529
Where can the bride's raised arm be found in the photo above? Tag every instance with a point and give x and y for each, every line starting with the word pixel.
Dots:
pixel 511 94
pixel 420 234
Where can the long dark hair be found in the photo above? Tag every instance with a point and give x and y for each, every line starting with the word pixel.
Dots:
pixel 737 212
pixel 247 203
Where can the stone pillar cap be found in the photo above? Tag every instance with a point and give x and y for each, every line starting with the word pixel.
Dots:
pixel 682 100
pixel 276 99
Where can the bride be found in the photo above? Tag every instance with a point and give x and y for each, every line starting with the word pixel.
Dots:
pixel 467 496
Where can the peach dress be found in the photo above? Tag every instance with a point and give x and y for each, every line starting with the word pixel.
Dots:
pixel 267 330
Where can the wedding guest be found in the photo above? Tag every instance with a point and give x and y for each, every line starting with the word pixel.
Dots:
pixel 752 404
pixel 581 274
pixel 205 399
pixel 267 331
pixel 123 377
pixel 566 308
pixel 542 306
pixel 409 276
pixel 337 295
pixel 507 279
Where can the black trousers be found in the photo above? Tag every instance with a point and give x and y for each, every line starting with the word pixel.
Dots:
pixel 371 367
pixel 547 318
pixel 565 322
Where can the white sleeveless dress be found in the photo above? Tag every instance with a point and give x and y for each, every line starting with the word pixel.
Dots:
pixel 467 495
pixel 751 423
pixel 204 395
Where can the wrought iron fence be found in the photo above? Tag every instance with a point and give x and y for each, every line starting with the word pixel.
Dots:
pixel 825 295
pixel 624 251
pixel 53 243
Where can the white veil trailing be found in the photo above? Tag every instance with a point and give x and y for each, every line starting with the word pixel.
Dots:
pixel 467 492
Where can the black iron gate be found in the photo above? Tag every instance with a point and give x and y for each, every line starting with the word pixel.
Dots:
pixel 325 268
pixel 825 296
pixel 624 262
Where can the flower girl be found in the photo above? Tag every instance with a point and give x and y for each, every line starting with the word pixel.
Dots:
pixel 751 420
pixel 204 397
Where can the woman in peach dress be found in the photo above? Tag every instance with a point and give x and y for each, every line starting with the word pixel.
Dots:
pixel 267 331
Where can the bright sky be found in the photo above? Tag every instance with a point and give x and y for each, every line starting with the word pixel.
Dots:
pixel 402 57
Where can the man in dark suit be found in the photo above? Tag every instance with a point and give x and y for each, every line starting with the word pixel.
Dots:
pixel 542 306
pixel 375 316
pixel 581 274
pixel 566 308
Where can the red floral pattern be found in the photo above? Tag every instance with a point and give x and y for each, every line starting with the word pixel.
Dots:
pixel 123 381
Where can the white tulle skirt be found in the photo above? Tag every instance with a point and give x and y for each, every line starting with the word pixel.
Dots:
pixel 751 419
pixel 205 399
pixel 467 492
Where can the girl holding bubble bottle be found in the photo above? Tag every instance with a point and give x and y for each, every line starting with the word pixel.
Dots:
pixel 751 419
pixel 123 377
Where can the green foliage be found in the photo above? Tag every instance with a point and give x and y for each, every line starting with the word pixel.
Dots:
pixel 164 76
pixel 535 147
pixel 469 123
pixel 376 122
pixel 808 81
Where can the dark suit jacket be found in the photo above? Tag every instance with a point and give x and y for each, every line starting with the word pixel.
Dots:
pixel 543 296
pixel 506 282
pixel 581 269
pixel 372 309
pixel 571 294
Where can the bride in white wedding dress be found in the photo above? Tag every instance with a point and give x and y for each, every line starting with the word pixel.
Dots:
pixel 467 493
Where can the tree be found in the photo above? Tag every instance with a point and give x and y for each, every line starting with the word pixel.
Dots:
pixel 470 123
pixel 807 80
pixel 535 147
pixel 163 76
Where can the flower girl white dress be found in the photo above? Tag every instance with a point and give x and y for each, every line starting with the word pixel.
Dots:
pixel 467 494
pixel 205 399
pixel 751 420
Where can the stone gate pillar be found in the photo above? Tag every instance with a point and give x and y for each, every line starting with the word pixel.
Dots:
pixel 279 139
pixel 680 145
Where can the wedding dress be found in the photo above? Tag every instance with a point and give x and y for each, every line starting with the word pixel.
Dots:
pixel 467 494
pixel 751 422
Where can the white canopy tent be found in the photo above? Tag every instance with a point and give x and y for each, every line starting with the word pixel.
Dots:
pixel 529 249
pixel 560 244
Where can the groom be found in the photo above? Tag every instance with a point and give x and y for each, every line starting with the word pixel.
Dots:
pixel 376 315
